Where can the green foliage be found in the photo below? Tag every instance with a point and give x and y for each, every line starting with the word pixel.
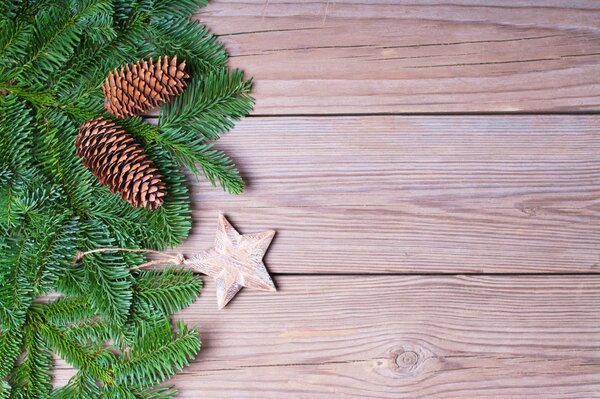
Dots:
pixel 166 291
pixel 180 8
pixel 210 105
pixel 191 40
pixel 158 354
pixel 110 323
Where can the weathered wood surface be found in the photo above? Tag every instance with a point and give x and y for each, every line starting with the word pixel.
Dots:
pixel 367 56
pixel 415 194
pixel 400 337
pixel 420 194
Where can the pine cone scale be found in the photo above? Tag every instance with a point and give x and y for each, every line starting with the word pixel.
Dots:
pixel 120 163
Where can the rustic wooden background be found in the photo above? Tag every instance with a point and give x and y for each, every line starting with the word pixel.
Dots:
pixel 433 171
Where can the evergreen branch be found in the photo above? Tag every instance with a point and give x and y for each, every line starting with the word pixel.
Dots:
pixel 166 291
pixel 16 133
pixel 210 104
pixel 31 378
pixel 67 310
pixel 132 392
pixel 151 364
pixel 96 17
pixel 126 11
pixel 179 8
pixel 5 389
pixel 156 393
pixel 56 34
pixel 34 94
pixel 14 39
pixel 54 38
pixel 54 147
pixel 109 281
pixel 59 254
pixel 92 332
pixel 155 229
pixel 9 9
pixel 89 65
pixel 73 282
pixel 190 151
pixel 81 386
pixel 74 353
pixel 10 348
pixel 16 290
pixel 190 40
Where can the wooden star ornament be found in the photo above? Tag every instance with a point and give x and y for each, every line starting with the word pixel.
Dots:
pixel 235 261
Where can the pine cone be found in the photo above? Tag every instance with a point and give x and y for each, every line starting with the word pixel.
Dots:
pixel 138 87
pixel 120 163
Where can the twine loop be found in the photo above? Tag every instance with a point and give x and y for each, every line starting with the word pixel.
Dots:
pixel 178 259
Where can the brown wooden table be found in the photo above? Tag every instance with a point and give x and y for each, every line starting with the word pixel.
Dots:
pixel 433 171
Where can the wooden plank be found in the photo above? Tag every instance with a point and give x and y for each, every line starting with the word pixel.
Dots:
pixel 419 194
pixel 396 337
pixel 376 56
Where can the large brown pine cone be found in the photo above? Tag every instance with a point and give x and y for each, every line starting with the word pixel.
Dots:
pixel 136 88
pixel 120 163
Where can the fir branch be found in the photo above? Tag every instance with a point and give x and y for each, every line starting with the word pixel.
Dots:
pixel 14 40
pixel 16 290
pixel 59 254
pixel 10 348
pixel 67 310
pixel 5 389
pixel 92 332
pixel 31 378
pixel 190 40
pixel 109 281
pixel 81 386
pixel 54 38
pixel 54 147
pixel 151 363
pixel 96 17
pixel 74 353
pixel 89 65
pixel 179 8
pixel 156 393
pixel 9 9
pixel 165 291
pixel 127 10
pixel 16 133
pixel 210 105
pixel 190 151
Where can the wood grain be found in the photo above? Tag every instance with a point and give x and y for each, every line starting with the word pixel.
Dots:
pixel 421 194
pixel 418 194
pixel 399 337
pixel 379 56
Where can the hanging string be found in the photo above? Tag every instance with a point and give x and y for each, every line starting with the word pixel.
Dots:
pixel 177 259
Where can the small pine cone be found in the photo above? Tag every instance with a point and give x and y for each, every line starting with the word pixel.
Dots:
pixel 136 88
pixel 120 163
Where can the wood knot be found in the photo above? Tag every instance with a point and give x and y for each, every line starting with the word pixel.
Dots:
pixel 407 359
